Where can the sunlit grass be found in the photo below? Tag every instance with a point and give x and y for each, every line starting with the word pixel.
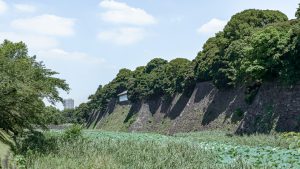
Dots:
pixel 4 148
pixel 210 149
pixel 116 153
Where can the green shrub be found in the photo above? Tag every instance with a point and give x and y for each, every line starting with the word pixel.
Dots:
pixel 20 161
pixel 293 138
pixel 34 141
pixel 73 133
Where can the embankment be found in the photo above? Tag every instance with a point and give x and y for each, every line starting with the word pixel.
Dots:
pixel 275 107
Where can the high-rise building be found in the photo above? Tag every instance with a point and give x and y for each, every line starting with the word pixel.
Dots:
pixel 68 104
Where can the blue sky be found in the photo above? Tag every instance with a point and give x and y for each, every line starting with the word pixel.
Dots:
pixel 87 42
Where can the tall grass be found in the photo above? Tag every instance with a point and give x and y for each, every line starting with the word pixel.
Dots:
pixel 114 150
pixel 108 153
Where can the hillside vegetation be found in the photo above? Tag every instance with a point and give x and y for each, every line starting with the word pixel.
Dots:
pixel 256 46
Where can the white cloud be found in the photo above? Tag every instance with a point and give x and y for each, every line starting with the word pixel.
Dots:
pixel 3 7
pixel 46 24
pixel 212 27
pixel 121 13
pixel 25 8
pixel 34 42
pixel 122 36
pixel 61 55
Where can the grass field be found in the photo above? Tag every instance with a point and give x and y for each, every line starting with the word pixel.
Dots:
pixel 211 149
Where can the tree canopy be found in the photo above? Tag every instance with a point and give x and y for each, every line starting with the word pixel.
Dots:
pixel 24 84
pixel 246 50
pixel 244 23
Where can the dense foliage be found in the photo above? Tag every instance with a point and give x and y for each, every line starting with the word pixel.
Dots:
pixel 158 78
pixel 24 84
pixel 229 56
pixel 54 116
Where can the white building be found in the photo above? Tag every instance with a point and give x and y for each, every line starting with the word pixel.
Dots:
pixel 123 96
pixel 68 104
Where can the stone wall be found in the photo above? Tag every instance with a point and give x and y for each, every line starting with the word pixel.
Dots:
pixel 275 107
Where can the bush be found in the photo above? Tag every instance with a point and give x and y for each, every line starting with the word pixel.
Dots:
pixel 20 161
pixel 34 141
pixel 73 133
pixel 293 138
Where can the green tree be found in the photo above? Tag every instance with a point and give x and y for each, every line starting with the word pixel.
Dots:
pixel 121 80
pixel 137 84
pixel 221 57
pixel 69 116
pixel 176 72
pixel 244 23
pixel 52 115
pixel 24 83
pixel 265 59
pixel 154 64
pixel 235 54
pixel 154 75
pixel 210 62
pixel 289 51
pixel 82 113
pixel 298 12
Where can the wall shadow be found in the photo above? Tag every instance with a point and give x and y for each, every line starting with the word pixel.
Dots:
pixel 134 109
pixel 91 118
pixel 154 105
pixel 166 105
pixel 259 122
pixel 97 115
pixel 236 109
pixel 219 104
pixel 288 122
pixel 202 90
pixel 179 105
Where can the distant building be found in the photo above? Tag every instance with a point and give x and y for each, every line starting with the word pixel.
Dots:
pixel 68 104
pixel 123 96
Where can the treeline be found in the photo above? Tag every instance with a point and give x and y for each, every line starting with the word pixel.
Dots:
pixel 255 46
pixel 158 78
pixel 54 116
